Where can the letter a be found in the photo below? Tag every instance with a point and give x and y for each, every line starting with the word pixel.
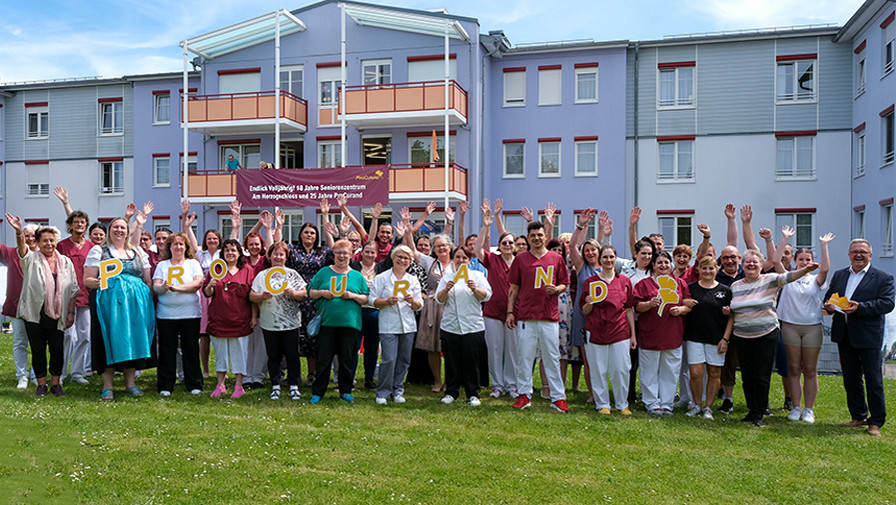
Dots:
pixel 462 273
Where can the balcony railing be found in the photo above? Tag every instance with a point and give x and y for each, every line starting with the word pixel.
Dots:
pixel 246 106
pixel 407 100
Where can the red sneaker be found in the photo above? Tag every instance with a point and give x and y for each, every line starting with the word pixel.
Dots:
pixel 561 406
pixel 522 402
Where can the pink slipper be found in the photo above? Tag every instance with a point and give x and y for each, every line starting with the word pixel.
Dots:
pixel 238 391
pixel 220 390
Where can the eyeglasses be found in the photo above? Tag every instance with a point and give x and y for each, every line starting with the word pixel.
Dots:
pixel 732 257
pixel 507 242
pixel 859 253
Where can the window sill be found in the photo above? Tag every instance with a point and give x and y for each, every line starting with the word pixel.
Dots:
pixel 550 104
pixel 585 174
pixel 37 196
pixel 859 93
pixel 161 185
pixel 806 101
pixel 514 176
pixel 161 123
pixel 887 164
pixel 513 105
pixel 859 174
pixel 549 176
pixel 885 74
pixel 587 101
pixel 780 178
pixel 112 193
pixel 690 180
pixel 676 107
pixel 37 138
pixel 119 134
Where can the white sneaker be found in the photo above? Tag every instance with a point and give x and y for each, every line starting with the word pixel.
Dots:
pixel 23 383
pixel 496 393
pixel 707 413
pixel 693 411
pixel 680 404
pixel 294 393
pixel 447 399
pixel 795 414
pixel 195 392
pixel 275 394
pixel 164 393
pixel 80 380
pixel 398 399
pixel 380 401
pixel 474 402
pixel 514 394
pixel 808 416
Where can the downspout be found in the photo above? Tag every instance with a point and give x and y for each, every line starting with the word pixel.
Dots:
pixel 635 125
pixel 277 111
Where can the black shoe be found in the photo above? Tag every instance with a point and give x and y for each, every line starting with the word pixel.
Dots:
pixel 747 419
pixel 727 406
pixel 788 404
pixel 252 385
pixel 369 385
pixel 768 412
pixel 721 394
pixel 41 390
pixel 57 390
pixel 759 423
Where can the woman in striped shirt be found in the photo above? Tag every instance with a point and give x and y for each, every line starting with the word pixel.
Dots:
pixel 756 328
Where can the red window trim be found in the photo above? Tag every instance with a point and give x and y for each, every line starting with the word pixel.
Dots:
pixel 234 71
pixel 587 65
pixel 887 111
pixel 513 141
pixel 429 133
pixel 674 138
pixel 550 67
pixel 859 128
pixel 161 92
pixel 330 64
pixel 585 138
pixel 161 155
pixel 192 153
pixel 36 219
pixel 421 209
pixel 508 70
pixel 238 142
pixel 550 139
pixel 666 212
pixel 889 20
pixel 189 90
pixel 886 201
pixel 511 212
pixel 432 57
pixel 676 64
pixel 164 217
pixel 105 219
pixel 860 47
pixel 541 212
pixel 244 211
pixel 37 104
pixel 328 137
pixel 858 208
pixel 796 210
pixel 109 160
pixel 807 133
pixel 109 100
pixel 795 57
pixel 37 162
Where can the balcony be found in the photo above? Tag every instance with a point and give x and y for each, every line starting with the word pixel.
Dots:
pixel 408 104
pixel 246 113
pixel 406 183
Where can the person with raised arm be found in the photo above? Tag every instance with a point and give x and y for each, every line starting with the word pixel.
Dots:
pixel 729 272
pixel 437 266
pixel 209 252
pixel 369 335
pixel 9 257
pixel 585 263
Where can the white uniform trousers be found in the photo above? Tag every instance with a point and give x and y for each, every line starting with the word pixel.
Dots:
pixel 609 361
pixel 500 341
pixel 543 335
pixel 659 377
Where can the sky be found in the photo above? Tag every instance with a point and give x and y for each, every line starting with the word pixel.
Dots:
pixel 57 39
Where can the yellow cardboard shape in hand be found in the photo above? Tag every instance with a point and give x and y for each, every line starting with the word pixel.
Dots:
pixel 668 292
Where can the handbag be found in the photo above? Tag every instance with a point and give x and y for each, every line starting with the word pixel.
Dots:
pixel 313 327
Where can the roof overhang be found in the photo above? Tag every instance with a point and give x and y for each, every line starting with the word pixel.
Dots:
pixel 862 16
pixel 245 34
pixel 405 21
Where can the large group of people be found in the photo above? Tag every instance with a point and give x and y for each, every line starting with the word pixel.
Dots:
pixel 114 297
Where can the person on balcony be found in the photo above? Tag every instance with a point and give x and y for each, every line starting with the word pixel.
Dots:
pixel 232 164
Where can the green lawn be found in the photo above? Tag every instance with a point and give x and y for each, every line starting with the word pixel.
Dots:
pixel 197 450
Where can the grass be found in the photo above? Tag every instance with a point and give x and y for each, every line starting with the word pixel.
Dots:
pixel 187 450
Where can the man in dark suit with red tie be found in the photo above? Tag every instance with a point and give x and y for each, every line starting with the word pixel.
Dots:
pixel 858 331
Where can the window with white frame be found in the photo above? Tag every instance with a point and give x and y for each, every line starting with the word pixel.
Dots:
pixel 111 118
pixel 549 158
pixel 795 81
pixel 591 229
pixel 515 87
pixel 860 73
pixel 292 225
pixel 431 69
pixel 676 161
pixel 249 155
pixel 420 149
pixel 242 81
pixel 161 109
pixel 328 80
pixel 192 163
pixel 161 171
pixel 859 223
pixel 38 125
pixel 676 230
pixel 248 222
pixel 886 232
pixel 586 156
pixel 676 87
pixel 514 159
pixel 516 224
pixel 292 79
pixel 802 222
pixel 860 152
pixel 158 224
pixel 329 153
pixel 795 157
pixel 377 71
pixel 111 177
pixel 889 33
pixel 586 83
pixel 888 142
pixel 38 179
pixel 549 86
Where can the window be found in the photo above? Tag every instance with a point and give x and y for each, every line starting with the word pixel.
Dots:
pixel 889 135
pixel 514 158
pixel 591 229
pixel 796 157
pixel 38 122
pixel 515 87
pixel 244 80
pixel 249 221
pixel 111 121
pixel 249 155
pixel 886 232
pixel 795 81
pixel 329 153
pixel 161 108
pixel 860 74
pixel 292 79
pixel 328 79
pixel 586 82
pixel 860 152
pixel 192 163
pixel 111 177
pixel 804 224
pixel 889 48
pixel 676 160
pixel 514 223
pixel 158 224
pixel 421 149
pixel 676 230
pixel 860 223
pixel 586 156
pixel 292 225
pixel 676 83
pixel 377 71
pixel 161 171
pixel 292 154
pixel 38 179
pixel 431 68
pixel 549 158
pixel 549 85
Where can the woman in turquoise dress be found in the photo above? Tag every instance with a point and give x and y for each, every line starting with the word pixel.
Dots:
pixel 123 319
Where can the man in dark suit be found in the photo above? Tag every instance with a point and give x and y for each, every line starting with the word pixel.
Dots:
pixel 858 331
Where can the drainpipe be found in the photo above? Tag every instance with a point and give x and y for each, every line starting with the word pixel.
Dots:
pixel 635 125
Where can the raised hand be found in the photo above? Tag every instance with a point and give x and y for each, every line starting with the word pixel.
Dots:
pixel 463 208
pixel 449 214
pixel 549 211
pixel 824 239
pixel 324 206
pixel 147 208
pixel 279 217
pixel 787 231
pixel 635 216
pixel 401 228
pixel 377 210
pixel 746 213
pixel 267 219
pixel 499 206
pixel 344 225
pixel 342 201
pixel 730 211
pixel 585 217
pixel 405 214
pixel 184 208
pixel 526 212
pixel 765 233
pixel 130 211
pixel 704 229
pixel 140 218
pixel 486 206
pixel 235 207
pixel 330 228
pixel 15 222
pixel 430 208
pixel 61 193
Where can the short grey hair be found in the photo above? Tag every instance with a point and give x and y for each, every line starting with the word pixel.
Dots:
pixel 860 241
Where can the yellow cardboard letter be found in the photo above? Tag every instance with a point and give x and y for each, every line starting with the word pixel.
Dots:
pixel 175 273
pixel 598 291
pixel 462 273
pixel 337 290
pixel 218 269
pixel 401 288
pixel 108 269
pixel 668 292
pixel 544 276
pixel 838 301
pixel 267 280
